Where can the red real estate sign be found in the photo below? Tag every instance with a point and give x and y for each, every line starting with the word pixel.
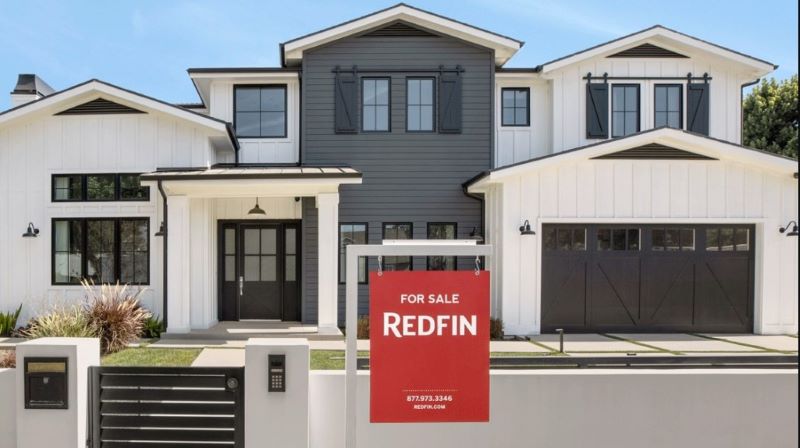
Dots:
pixel 429 347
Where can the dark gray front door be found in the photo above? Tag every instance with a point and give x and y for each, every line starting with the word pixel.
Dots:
pixel 670 277
pixel 259 271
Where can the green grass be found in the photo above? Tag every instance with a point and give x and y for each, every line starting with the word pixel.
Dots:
pixel 154 357
pixel 331 359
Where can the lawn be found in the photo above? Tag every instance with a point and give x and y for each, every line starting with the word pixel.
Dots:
pixel 156 357
pixel 334 359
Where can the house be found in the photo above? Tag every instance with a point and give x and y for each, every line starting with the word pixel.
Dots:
pixel 611 183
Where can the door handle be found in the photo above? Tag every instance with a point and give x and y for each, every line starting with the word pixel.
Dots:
pixel 241 285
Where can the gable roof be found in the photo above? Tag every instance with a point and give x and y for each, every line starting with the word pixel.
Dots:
pixel 666 35
pixel 94 88
pixel 675 139
pixel 504 47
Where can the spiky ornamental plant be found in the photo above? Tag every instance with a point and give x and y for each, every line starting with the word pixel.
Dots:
pixel 116 314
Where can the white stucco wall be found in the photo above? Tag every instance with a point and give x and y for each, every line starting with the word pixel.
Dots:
pixel 642 191
pixel 578 408
pixel 34 148
pixel 8 408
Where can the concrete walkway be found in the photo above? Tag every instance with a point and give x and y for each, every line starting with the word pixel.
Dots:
pixel 231 353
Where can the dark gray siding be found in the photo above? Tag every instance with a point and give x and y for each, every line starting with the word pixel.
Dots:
pixel 407 177
pixel 309 262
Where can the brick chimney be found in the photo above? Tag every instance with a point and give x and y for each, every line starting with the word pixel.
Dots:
pixel 29 88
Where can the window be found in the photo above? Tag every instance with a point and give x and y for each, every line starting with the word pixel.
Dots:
pixel 420 107
pixel 624 109
pixel 99 187
pixel 375 104
pixel 672 239
pixel 564 238
pixel 68 188
pixel 260 111
pixel 615 239
pixel 103 250
pixel 668 107
pixel 352 234
pixel 397 231
pixel 728 239
pixel 441 231
pixel 516 107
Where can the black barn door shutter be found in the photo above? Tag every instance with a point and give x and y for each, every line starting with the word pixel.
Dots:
pixel 346 102
pixel 597 110
pixel 697 112
pixel 450 102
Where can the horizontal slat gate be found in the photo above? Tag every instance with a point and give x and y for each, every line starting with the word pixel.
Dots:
pixel 166 407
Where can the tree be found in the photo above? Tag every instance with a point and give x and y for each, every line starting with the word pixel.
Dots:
pixel 771 117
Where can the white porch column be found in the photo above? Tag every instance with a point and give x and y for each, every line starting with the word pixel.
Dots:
pixel 178 264
pixel 328 261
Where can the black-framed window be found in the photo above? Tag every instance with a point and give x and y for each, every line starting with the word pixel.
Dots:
pixel 616 239
pixel 375 104
pixel 672 239
pixel 624 109
pixel 260 111
pixel 564 238
pixel 442 231
pixel 668 105
pixel 352 233
pixel 516 106
pixel 728 239
pixel 397 231
pixel 420 104
pixel 104 250
pixel 99 187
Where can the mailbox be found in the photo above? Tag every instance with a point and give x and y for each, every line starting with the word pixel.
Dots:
pixel 46 383
pixel 277 373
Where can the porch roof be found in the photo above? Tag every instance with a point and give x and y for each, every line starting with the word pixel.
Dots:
pixel 276 172
pixel 244 181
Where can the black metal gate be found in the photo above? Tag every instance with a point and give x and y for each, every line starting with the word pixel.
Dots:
pixel 648 277
pixel 161 407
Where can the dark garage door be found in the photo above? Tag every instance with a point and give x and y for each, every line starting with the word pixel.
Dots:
pixel 648 278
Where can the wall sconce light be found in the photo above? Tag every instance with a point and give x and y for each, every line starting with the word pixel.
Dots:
pixel 32 231
pixel 162 230
pixel 474 235
pixel 525 229
pixel 257 211
pixel 792 232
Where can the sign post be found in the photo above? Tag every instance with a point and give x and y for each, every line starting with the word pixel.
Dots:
pixel 454 387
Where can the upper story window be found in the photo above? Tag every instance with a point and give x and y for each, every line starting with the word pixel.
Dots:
pixel 516 107
pixel 98 187
pixel 375 104
pixel 624 109
pixel 668 105
pixel 260 111
pixel 420 104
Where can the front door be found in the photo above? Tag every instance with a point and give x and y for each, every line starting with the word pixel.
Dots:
pixel 259 271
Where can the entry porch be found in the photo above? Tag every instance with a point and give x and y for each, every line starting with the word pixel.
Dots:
pixel 251 245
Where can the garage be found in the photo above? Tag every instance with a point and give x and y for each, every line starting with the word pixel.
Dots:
pixel 648 277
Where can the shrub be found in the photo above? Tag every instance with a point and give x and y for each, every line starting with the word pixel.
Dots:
pixel 61 321
pixel 8 322
pixel 495 328
pixel 153 327
pixel 116 314
pixel 8 359
pixel 363 328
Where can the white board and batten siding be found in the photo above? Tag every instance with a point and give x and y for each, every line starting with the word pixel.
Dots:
pixel 261 150
pixel 641 191
pixel 35 148
pixel 569 93
pixel 520 143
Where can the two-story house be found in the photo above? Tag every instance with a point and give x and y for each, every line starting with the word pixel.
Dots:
pixel 611 182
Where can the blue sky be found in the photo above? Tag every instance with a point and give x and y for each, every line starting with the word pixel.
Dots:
pixel 147 45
